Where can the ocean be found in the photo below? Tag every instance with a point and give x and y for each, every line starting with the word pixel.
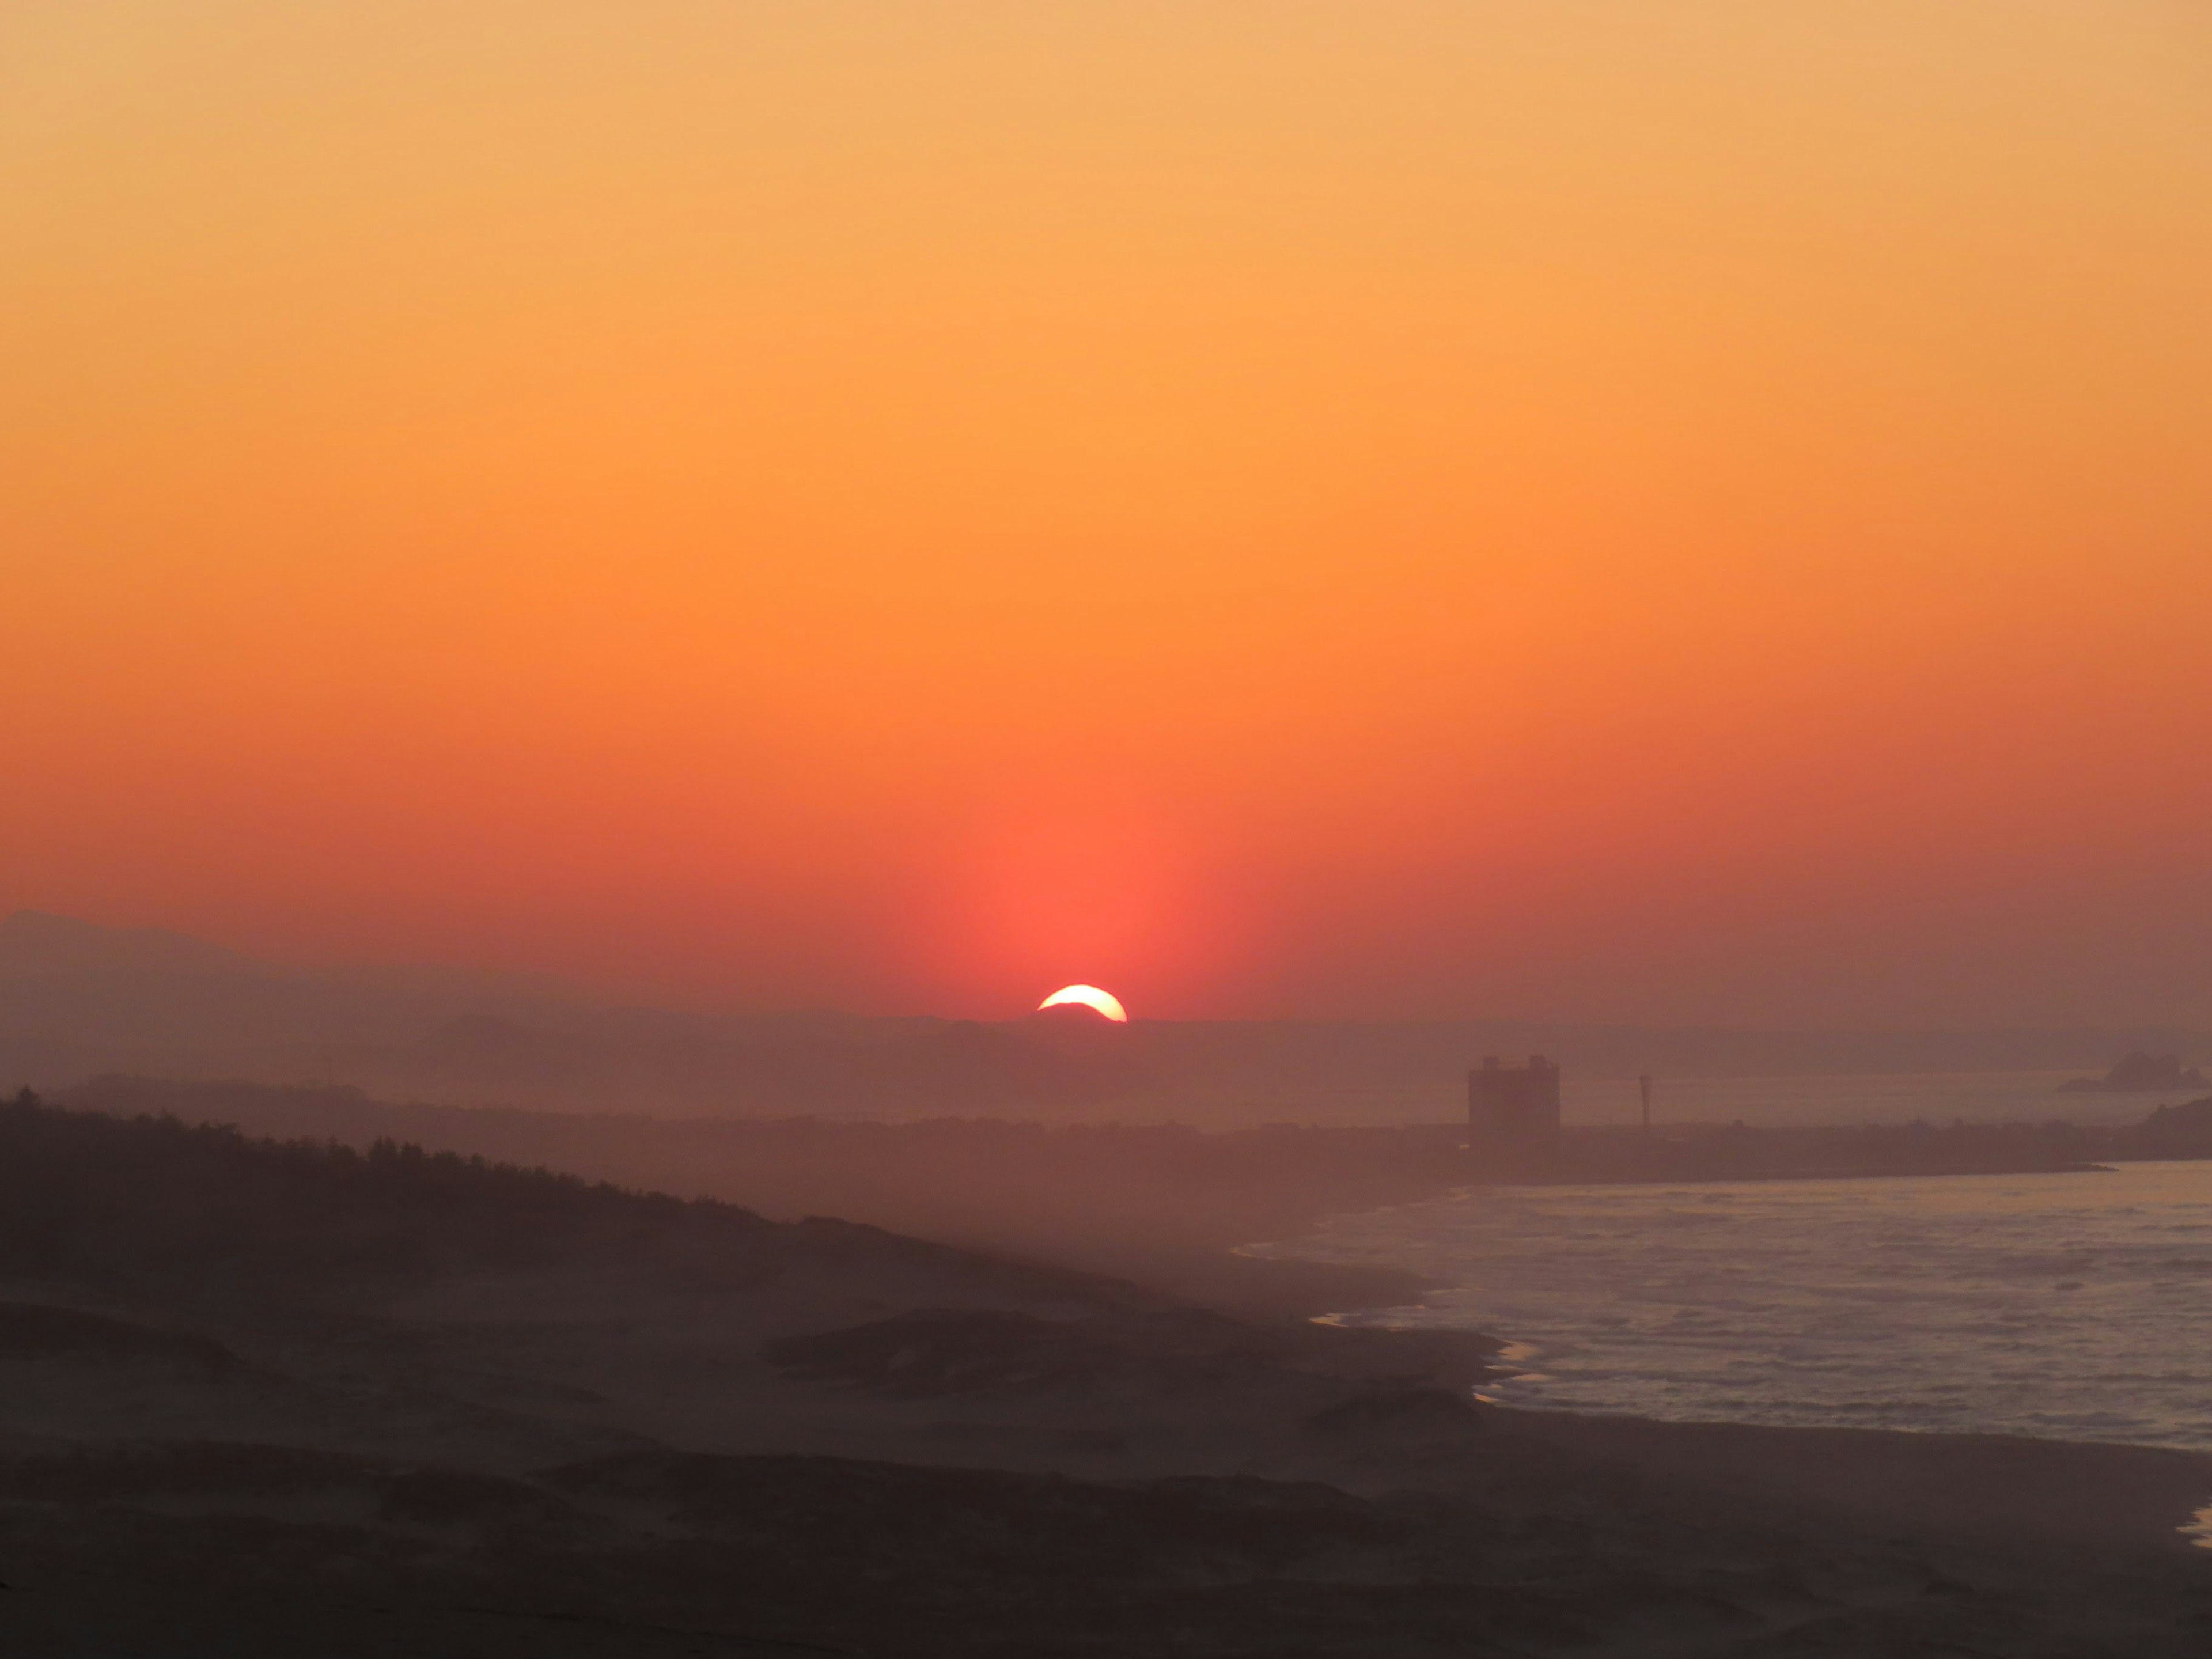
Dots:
pixel 2072 1306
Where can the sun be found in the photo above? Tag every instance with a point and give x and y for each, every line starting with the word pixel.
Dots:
pixel 1088 996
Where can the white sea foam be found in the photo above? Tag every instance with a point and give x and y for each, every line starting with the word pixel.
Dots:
pixel 2072 1306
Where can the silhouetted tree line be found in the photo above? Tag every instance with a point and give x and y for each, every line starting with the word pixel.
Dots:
pixel 135 1201
pixel 152 1207
pixel 987 1183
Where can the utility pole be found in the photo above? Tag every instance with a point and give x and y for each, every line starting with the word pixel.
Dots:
pixel 1644 1088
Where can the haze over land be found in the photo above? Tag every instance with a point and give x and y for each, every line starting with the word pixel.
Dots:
pixel 78 1001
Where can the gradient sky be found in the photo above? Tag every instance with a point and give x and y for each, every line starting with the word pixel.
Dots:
pixel 1613 509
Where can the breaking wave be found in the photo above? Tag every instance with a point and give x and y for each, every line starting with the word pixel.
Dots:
pixel 2070 1306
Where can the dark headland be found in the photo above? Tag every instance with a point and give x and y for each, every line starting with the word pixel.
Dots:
pixel 2140 1073
pixel 269 1399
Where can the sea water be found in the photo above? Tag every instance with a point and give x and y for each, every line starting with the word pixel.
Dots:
pixel 2073 1306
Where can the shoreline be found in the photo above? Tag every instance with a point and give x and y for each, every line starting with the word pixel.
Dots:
pixel 2184 1499
pixel 666 1420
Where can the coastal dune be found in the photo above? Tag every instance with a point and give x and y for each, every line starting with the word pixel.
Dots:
pixel 257 1398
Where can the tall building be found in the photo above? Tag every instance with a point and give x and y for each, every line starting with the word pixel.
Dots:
pixel 1513 1106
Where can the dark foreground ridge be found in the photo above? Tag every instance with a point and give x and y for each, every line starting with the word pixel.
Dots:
pixel 275 1399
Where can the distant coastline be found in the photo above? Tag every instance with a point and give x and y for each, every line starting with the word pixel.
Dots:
pixel 1588 1156
pixel 2139 1073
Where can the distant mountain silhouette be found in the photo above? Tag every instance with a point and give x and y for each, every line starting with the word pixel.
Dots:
pixel 2186 1129
pixel 955 1067
pixel 35 945
pixel 73 994
pixel 1078 1029
pixel 2139 1073
pixel 78 1001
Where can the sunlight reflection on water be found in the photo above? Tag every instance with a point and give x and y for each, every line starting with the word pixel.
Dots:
pixel 2070 1306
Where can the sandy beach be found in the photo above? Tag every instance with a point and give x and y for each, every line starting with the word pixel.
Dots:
pixel 472 1410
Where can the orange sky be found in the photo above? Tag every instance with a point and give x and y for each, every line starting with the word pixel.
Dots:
pixel 1663 511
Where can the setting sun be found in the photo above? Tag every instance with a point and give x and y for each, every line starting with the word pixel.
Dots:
pixel 1601 605
pixel 1087 996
